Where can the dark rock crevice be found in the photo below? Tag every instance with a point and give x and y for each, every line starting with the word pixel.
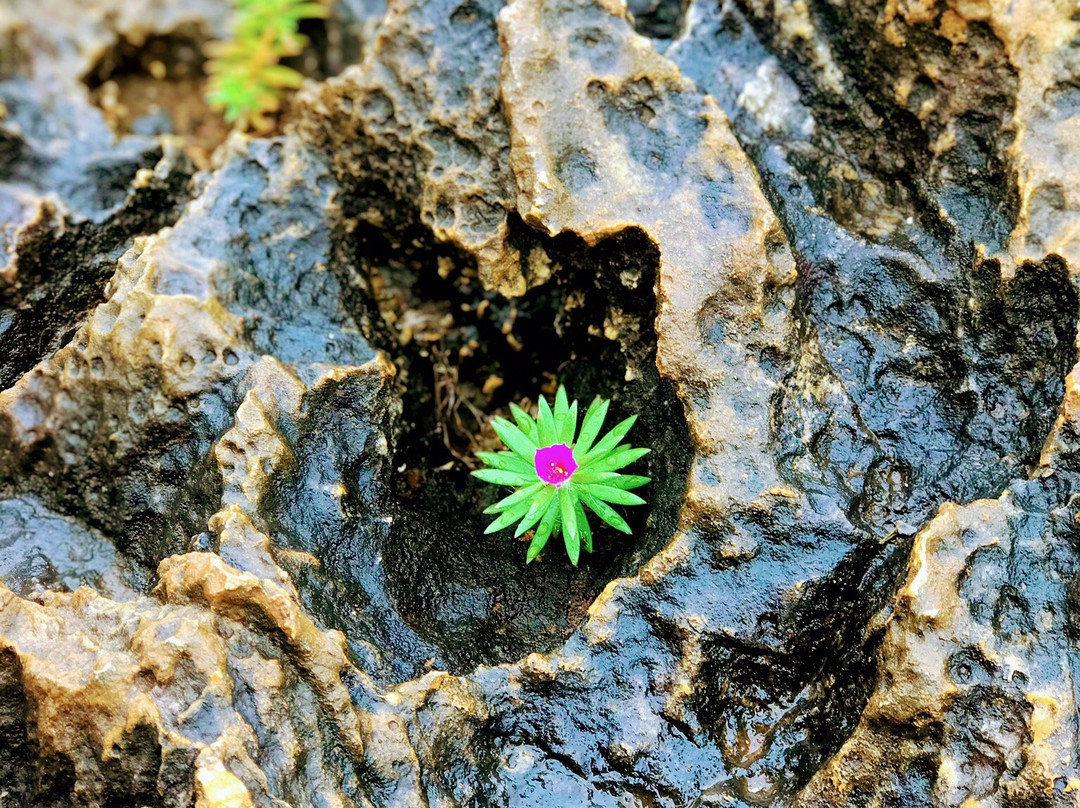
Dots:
pixel 17 767
pixel 660 20
pixel 782 702
pixel 157 86
pixel 465 355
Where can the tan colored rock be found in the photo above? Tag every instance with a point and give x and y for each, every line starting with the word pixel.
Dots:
pixel 216 786
pixel 607 135
pixel 97 673
pixel 421 115
pixel 974 703
pixel 1036 36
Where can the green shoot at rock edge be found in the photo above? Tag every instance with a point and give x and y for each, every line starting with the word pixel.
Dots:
pixel 247 80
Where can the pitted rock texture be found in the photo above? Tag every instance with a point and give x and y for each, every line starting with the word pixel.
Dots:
pixel 977 701
pixel 217 365
pixel 154 684
pixel 857 583
pixel 71 203
pixel 416 130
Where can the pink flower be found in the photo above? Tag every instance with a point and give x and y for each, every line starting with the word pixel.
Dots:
pixel 555 464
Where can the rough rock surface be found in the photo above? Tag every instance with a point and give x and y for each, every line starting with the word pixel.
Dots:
pixel 975 699
pixel 416 130
pixel 69 200
pixel 237 571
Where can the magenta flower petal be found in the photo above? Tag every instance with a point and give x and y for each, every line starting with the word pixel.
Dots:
pixel 555 464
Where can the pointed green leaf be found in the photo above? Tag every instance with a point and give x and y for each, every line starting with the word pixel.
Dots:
pixel 569 523
pixel 562 405
pixel 620 458
pixel 567 425
pixel 545 422
pixel 628 481
pixel 513 437
pixel 507 519
pixel 604 511
pixel 590 427
pixel 537 509
pixel 594 476
pixel 500 477
pixel 524 495
pixel 525 423
pixel 609 493
pixel 624 481
pixel 535 546
pixel 282 76
pixel 311 11
pixel 572 544
pixel 584 530
pixel 507 461
pixel 547 525
pixel 610 440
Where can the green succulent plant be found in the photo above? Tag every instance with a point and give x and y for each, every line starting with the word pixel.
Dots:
pixel 247 81
pixel 558 475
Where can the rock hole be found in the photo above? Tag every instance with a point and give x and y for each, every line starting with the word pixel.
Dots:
pixel 465 354
pixel 660 20
pixel 158 87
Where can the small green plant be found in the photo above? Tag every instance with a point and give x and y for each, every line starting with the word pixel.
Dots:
pixel 557 477
pixel 247 80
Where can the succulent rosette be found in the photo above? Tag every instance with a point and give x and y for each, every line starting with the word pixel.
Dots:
pixel 558 476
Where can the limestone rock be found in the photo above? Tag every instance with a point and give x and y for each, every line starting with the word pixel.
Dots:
pixel 172 700
pixel 71 204
pixel 416 130
pixel 45 551
pixel 841 232
pixel 974 697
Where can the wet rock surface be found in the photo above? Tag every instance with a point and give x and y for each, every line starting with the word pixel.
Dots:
pixel 71 205
pixel 415 130
pixel 827 251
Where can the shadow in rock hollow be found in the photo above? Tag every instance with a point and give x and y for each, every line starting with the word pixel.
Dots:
pixel 465 355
